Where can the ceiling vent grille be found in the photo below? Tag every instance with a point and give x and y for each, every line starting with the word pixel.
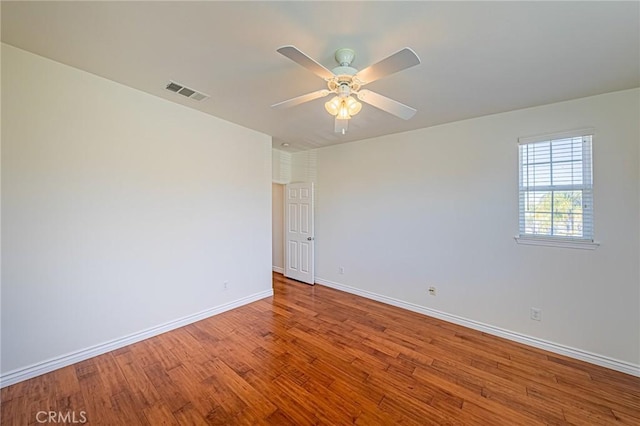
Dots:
pixel 185 91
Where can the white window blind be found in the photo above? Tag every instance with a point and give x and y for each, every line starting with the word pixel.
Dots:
pixel 556 186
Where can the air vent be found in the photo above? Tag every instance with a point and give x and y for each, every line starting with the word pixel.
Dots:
pixel 185 91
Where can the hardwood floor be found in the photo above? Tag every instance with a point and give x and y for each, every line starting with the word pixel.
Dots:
pixel 314 355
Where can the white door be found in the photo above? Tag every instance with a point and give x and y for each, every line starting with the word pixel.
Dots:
pixel 298 232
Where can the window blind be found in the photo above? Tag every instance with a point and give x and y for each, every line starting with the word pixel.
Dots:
pixel 556 186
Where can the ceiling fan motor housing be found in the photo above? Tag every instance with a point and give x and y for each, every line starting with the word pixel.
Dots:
pixel 343 83
pixel 344 71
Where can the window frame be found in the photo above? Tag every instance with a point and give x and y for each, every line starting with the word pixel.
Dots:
pixel 585 243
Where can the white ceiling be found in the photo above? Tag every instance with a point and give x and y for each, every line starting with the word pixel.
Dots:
pixel 478 58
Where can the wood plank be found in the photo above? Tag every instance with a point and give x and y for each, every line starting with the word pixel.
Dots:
pixel 158 415
pixel 499 410
pixel 259 403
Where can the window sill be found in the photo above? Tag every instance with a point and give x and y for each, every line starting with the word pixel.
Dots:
pixel 557 242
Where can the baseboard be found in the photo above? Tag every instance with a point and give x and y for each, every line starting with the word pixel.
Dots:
pixel 278 270
pixel 579 354
pixel 37 369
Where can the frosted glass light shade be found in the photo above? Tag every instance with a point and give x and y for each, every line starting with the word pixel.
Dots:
pixel 353 106
pixel 343 108
pixel 333 106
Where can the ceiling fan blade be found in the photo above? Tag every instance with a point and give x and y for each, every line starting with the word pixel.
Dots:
pixel 403 59
pixel 301 58
pixel 386 104
pixel 301 99
pixel 341 125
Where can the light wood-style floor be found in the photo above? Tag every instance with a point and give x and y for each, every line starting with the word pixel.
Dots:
pixel 314 355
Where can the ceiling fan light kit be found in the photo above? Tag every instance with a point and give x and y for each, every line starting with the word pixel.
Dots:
pixel 343 108
pixel 345 81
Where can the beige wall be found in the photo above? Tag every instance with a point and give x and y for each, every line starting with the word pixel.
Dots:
pixel 121 212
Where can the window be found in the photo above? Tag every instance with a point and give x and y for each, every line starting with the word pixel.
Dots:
pixel 556 190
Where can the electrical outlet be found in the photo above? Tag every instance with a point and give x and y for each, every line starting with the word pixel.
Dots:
pixel 341 270
pixel 225 285
pixel 536 314
pixel 432 291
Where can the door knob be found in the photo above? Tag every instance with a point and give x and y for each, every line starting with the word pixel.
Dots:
pixel 309 238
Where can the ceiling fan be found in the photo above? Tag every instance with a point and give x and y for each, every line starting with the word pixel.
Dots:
pixel 345 81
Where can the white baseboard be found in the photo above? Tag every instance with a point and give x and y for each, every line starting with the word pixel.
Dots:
pixel 589 357
pixel 278 270
pixel 43 367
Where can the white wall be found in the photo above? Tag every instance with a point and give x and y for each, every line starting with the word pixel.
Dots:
pixel 281 166
pixel 304 166
pixel 439 206
pixel 121 211
pixel 277 227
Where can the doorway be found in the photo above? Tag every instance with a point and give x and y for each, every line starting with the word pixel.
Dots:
pixel 299 236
